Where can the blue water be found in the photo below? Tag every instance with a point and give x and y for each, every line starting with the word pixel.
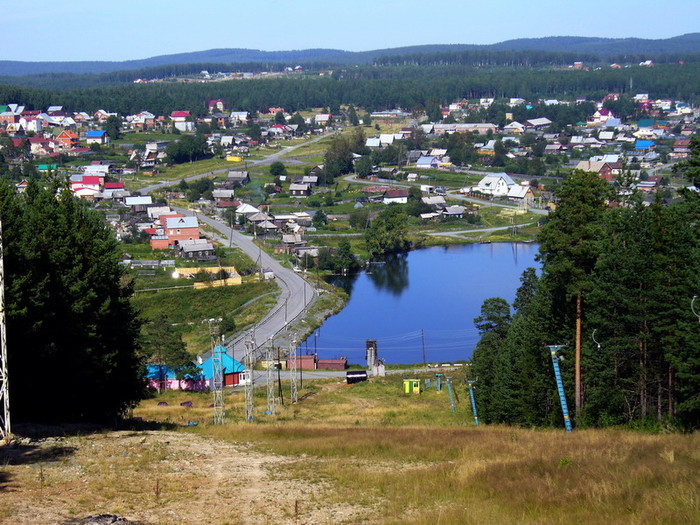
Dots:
pixel 438 291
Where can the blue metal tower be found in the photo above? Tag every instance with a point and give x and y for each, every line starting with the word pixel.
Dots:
pixel 471 396
pixel 553 349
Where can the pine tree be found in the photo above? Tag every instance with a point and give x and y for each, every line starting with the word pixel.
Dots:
pixel 72 333
pixel 569 249
pixel 487 365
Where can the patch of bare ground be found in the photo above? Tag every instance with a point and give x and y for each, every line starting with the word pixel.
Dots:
pixel 156 477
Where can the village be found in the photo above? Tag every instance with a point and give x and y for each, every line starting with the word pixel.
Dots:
pixel 73 142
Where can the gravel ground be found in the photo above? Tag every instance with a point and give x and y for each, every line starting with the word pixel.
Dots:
pixel 154 477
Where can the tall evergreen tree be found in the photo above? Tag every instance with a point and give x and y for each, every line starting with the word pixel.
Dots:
pixel 72 334
pixel 569 250
pixel 488 366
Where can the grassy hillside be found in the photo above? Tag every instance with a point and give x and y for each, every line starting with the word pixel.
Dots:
pixel 364 453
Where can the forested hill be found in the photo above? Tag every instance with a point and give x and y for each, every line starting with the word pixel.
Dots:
pixel 605 47
pixel 600 47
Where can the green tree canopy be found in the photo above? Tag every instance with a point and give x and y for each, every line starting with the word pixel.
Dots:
pixel 278 168
pixel 388 232
pixel 73 336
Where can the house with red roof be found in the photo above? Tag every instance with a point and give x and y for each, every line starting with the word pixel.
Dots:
pixel 601 116
pixel 681 149
pixel 182 120
pixel 216 105
pixel 40 146
pixel 395 195
pixel 87 187
pixel 180 116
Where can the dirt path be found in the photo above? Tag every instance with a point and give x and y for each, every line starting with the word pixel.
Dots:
pixel 160 477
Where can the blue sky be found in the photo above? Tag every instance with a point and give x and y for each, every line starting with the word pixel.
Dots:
pixel 133 29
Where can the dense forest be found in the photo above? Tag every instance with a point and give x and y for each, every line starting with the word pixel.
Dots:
pixel 372 88
pixel 73 345
pixel 523 58
pixel 602 49
pixel 616 290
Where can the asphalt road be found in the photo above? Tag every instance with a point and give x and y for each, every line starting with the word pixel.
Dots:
pixel 296 293
pixel 262 162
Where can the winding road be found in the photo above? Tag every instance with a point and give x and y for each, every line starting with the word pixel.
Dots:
pixel 296 293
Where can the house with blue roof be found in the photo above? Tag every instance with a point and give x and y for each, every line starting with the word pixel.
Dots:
pixel 428 162
pixel 163 378
pixel 97 136
pixel 644 145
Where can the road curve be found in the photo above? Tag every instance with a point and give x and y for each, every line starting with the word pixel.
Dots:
pixel 296 292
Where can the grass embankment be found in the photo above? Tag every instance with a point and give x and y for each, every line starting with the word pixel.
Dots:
pixel 409 459
pixel 186 308
pixel 364 453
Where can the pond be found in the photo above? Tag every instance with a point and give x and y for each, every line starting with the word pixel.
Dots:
pixel 422 303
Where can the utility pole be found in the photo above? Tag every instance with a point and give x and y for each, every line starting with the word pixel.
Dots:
pixel 578 389
pixel 292 358
pixel 422 337
pixel 5 427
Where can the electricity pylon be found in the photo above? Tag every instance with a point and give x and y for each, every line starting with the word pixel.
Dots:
pixel 271 395
pixel 5 427
pixel 250 383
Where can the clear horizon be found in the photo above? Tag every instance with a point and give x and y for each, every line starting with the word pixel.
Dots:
pixel 136 30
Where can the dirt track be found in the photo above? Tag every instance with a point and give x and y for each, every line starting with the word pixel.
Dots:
pixel 159 477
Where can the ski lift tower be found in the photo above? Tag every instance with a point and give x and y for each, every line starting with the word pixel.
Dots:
pixel 473 400
pixel 249 359
pixel 217 378
pixel 553 349
pixel 5 429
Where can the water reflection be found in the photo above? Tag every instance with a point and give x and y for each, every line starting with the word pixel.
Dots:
pixel 434 314
pixel 392 276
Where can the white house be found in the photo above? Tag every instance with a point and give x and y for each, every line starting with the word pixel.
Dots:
pixel 497 184
pixel 427 162
pixel 514 127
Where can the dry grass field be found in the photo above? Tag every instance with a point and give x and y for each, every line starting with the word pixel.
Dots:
pixel 364 453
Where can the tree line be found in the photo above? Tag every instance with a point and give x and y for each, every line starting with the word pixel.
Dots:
pixel 615 288
pixel 372 88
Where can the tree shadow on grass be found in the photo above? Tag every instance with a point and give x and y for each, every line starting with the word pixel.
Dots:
pixel 41 443
pixel 27 454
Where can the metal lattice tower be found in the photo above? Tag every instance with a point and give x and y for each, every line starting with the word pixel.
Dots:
pixel 5 429
pixel 217 378
pixel 271 395
pixel 250 383
pixel 292 357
